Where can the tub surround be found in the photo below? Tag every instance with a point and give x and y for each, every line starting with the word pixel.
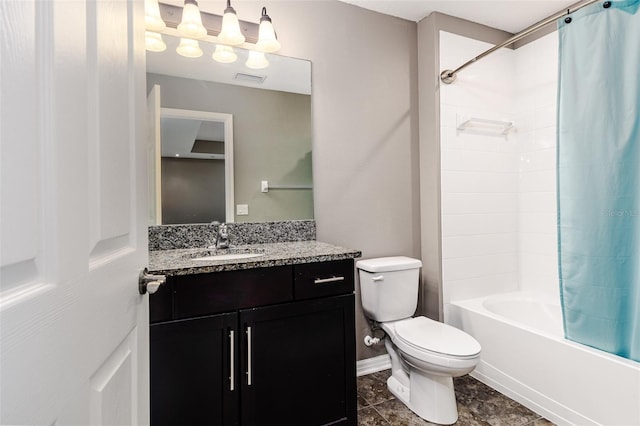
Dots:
pixel 169 237
pixel 180 261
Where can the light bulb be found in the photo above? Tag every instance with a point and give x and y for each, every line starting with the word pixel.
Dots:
pixel 152 18
pixel 256 60
pixel 230 32
pixel 189 48
pixel 224 54
pixel 267 41
pixel 191 23
pixel 153 42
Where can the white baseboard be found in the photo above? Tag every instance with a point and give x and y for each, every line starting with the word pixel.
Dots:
pixel 373 365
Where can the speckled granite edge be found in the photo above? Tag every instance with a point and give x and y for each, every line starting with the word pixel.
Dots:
pixel 172 237
pixel 180 261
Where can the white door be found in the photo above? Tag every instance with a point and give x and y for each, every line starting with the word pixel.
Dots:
pixel 73 327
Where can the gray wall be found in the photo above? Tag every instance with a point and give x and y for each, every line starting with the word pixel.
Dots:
pixel 365 126
pixel 376 151
pixel 271 141
pixel 368 146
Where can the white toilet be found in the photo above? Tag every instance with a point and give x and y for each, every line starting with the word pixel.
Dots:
pixel 425 354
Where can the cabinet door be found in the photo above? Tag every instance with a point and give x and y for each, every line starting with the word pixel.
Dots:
pixel 299 363
pixel 193 381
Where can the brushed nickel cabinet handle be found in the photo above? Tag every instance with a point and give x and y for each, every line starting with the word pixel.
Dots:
pixel 249 372
pixel 328 280
pixel 232 367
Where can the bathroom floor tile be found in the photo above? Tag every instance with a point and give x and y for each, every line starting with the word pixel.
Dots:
pixel 397 414
pixel 467 418
pixel 373 388
pixel 362 402
pixel 368 416
pixel 490 405
pixel 478 405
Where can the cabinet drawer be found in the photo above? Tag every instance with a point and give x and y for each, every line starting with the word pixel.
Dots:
pixel 205 294
pixel 323 279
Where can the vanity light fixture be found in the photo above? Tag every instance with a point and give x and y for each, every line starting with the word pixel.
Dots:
pixel 267 40
pixel 230 33
pixel 191 23
pixel 152 19
pixel 153 42
pixel 153 24
pixel 261 38
pixel 256 60
pixel 189 48
pixel 224 54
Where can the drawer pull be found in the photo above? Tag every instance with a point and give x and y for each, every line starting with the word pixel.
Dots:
pixel 249 356
pixel 232 367
pixel 328 280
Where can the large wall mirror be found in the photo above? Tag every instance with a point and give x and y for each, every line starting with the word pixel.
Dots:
pixel 223 130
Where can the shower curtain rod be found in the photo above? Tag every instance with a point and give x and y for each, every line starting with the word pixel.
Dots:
pixel 449 76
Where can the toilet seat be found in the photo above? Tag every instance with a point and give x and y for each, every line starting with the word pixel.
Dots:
pixel 434 342
pixel 425 334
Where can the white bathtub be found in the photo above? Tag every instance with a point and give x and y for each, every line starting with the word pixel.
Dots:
pixel 525 356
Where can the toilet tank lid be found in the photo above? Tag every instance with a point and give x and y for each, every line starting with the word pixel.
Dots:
pixel 387 264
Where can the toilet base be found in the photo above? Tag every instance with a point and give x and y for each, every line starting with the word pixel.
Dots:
pixel 430 397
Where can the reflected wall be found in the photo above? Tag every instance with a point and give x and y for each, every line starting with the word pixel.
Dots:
pixel 272 141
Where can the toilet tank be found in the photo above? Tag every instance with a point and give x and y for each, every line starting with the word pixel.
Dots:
pixel 389 287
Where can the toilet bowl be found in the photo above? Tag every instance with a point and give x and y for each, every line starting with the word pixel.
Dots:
pixel 425 354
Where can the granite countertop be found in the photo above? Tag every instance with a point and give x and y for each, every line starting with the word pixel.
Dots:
pixel 180 261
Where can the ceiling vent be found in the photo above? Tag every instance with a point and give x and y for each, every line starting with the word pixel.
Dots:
pixel 258 79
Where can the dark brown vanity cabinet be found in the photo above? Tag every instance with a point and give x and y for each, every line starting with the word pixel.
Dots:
pixel 190 367
pixel 235 353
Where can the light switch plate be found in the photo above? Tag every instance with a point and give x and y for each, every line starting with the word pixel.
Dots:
pixel 242 209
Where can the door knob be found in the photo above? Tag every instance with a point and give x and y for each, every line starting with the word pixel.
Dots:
pixel 148 283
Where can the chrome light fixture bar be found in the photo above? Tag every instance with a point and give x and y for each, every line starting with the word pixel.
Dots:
pixel 213 23
pixel 228 31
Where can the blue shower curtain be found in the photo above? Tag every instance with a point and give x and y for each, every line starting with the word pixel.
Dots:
pixel 599 176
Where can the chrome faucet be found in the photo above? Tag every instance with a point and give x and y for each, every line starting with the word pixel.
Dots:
pixel 221 235
pixel 222 239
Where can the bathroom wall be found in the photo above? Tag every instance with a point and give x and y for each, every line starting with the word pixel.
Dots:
pixel 364 121
pixel 498 193
pixel 536 71
pixel 479 177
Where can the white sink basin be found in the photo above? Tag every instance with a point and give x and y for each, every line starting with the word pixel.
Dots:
pixel 229 256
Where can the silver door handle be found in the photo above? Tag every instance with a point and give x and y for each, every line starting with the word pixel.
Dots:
pixel 232 368
pixel 328 280
pixel 148 283
pixel 249 356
